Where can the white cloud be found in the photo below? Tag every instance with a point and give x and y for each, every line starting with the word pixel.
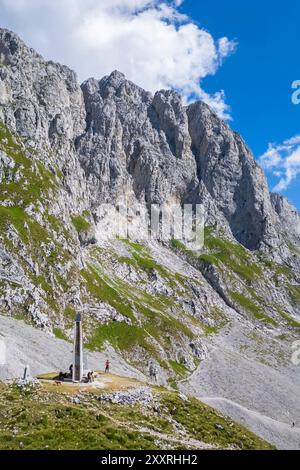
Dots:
pixel 283 161
pixel 150 41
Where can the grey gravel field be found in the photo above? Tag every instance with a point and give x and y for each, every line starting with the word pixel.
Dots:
pixel 251 386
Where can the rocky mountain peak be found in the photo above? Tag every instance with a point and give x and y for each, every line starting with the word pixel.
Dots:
pixel 115 79
pixel 12 49
pixel 160 147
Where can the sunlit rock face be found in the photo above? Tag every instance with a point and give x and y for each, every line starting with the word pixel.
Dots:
pixel 128 141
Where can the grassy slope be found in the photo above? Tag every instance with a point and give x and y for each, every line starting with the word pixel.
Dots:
pixel 154 319
pixel 41 419
pixel 246 272
pixel 28 184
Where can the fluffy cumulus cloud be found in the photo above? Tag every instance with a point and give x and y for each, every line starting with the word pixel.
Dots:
pixel 283 161
pixel 150 41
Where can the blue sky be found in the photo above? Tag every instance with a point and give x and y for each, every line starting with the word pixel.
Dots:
pixel 248 49
pixel 257 77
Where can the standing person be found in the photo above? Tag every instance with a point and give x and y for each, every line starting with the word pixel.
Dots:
pixel 107 366
pixel 153 371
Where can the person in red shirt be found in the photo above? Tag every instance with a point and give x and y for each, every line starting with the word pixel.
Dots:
pixel 107 366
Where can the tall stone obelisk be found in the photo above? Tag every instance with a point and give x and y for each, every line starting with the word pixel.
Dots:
pixel 77 372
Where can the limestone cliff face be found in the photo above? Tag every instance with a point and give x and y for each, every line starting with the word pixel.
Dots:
pixel 233 179
pixel 161 149
pixel 65 149
pixel 288 215
pixel 125 139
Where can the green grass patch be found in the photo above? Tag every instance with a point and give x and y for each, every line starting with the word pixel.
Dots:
pixel 121 336
pixel 70 312
pixel 179 368
pixel 219 251
pixel 294 249
pixel 60 334
pixel 209 259
pixel 141 259
pixel 29 180
pixel 203 423
pixel 30 232
pixel 80 223
pixel 179 246
pixel 135 246
pixel 250 307
pixel 294 293
pixel 62 426
pixel 98 286
pixel 290 320
pixel 233 255
pixel 211 329
pixel 47 420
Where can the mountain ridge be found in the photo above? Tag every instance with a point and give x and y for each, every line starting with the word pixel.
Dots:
pixel 65 150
